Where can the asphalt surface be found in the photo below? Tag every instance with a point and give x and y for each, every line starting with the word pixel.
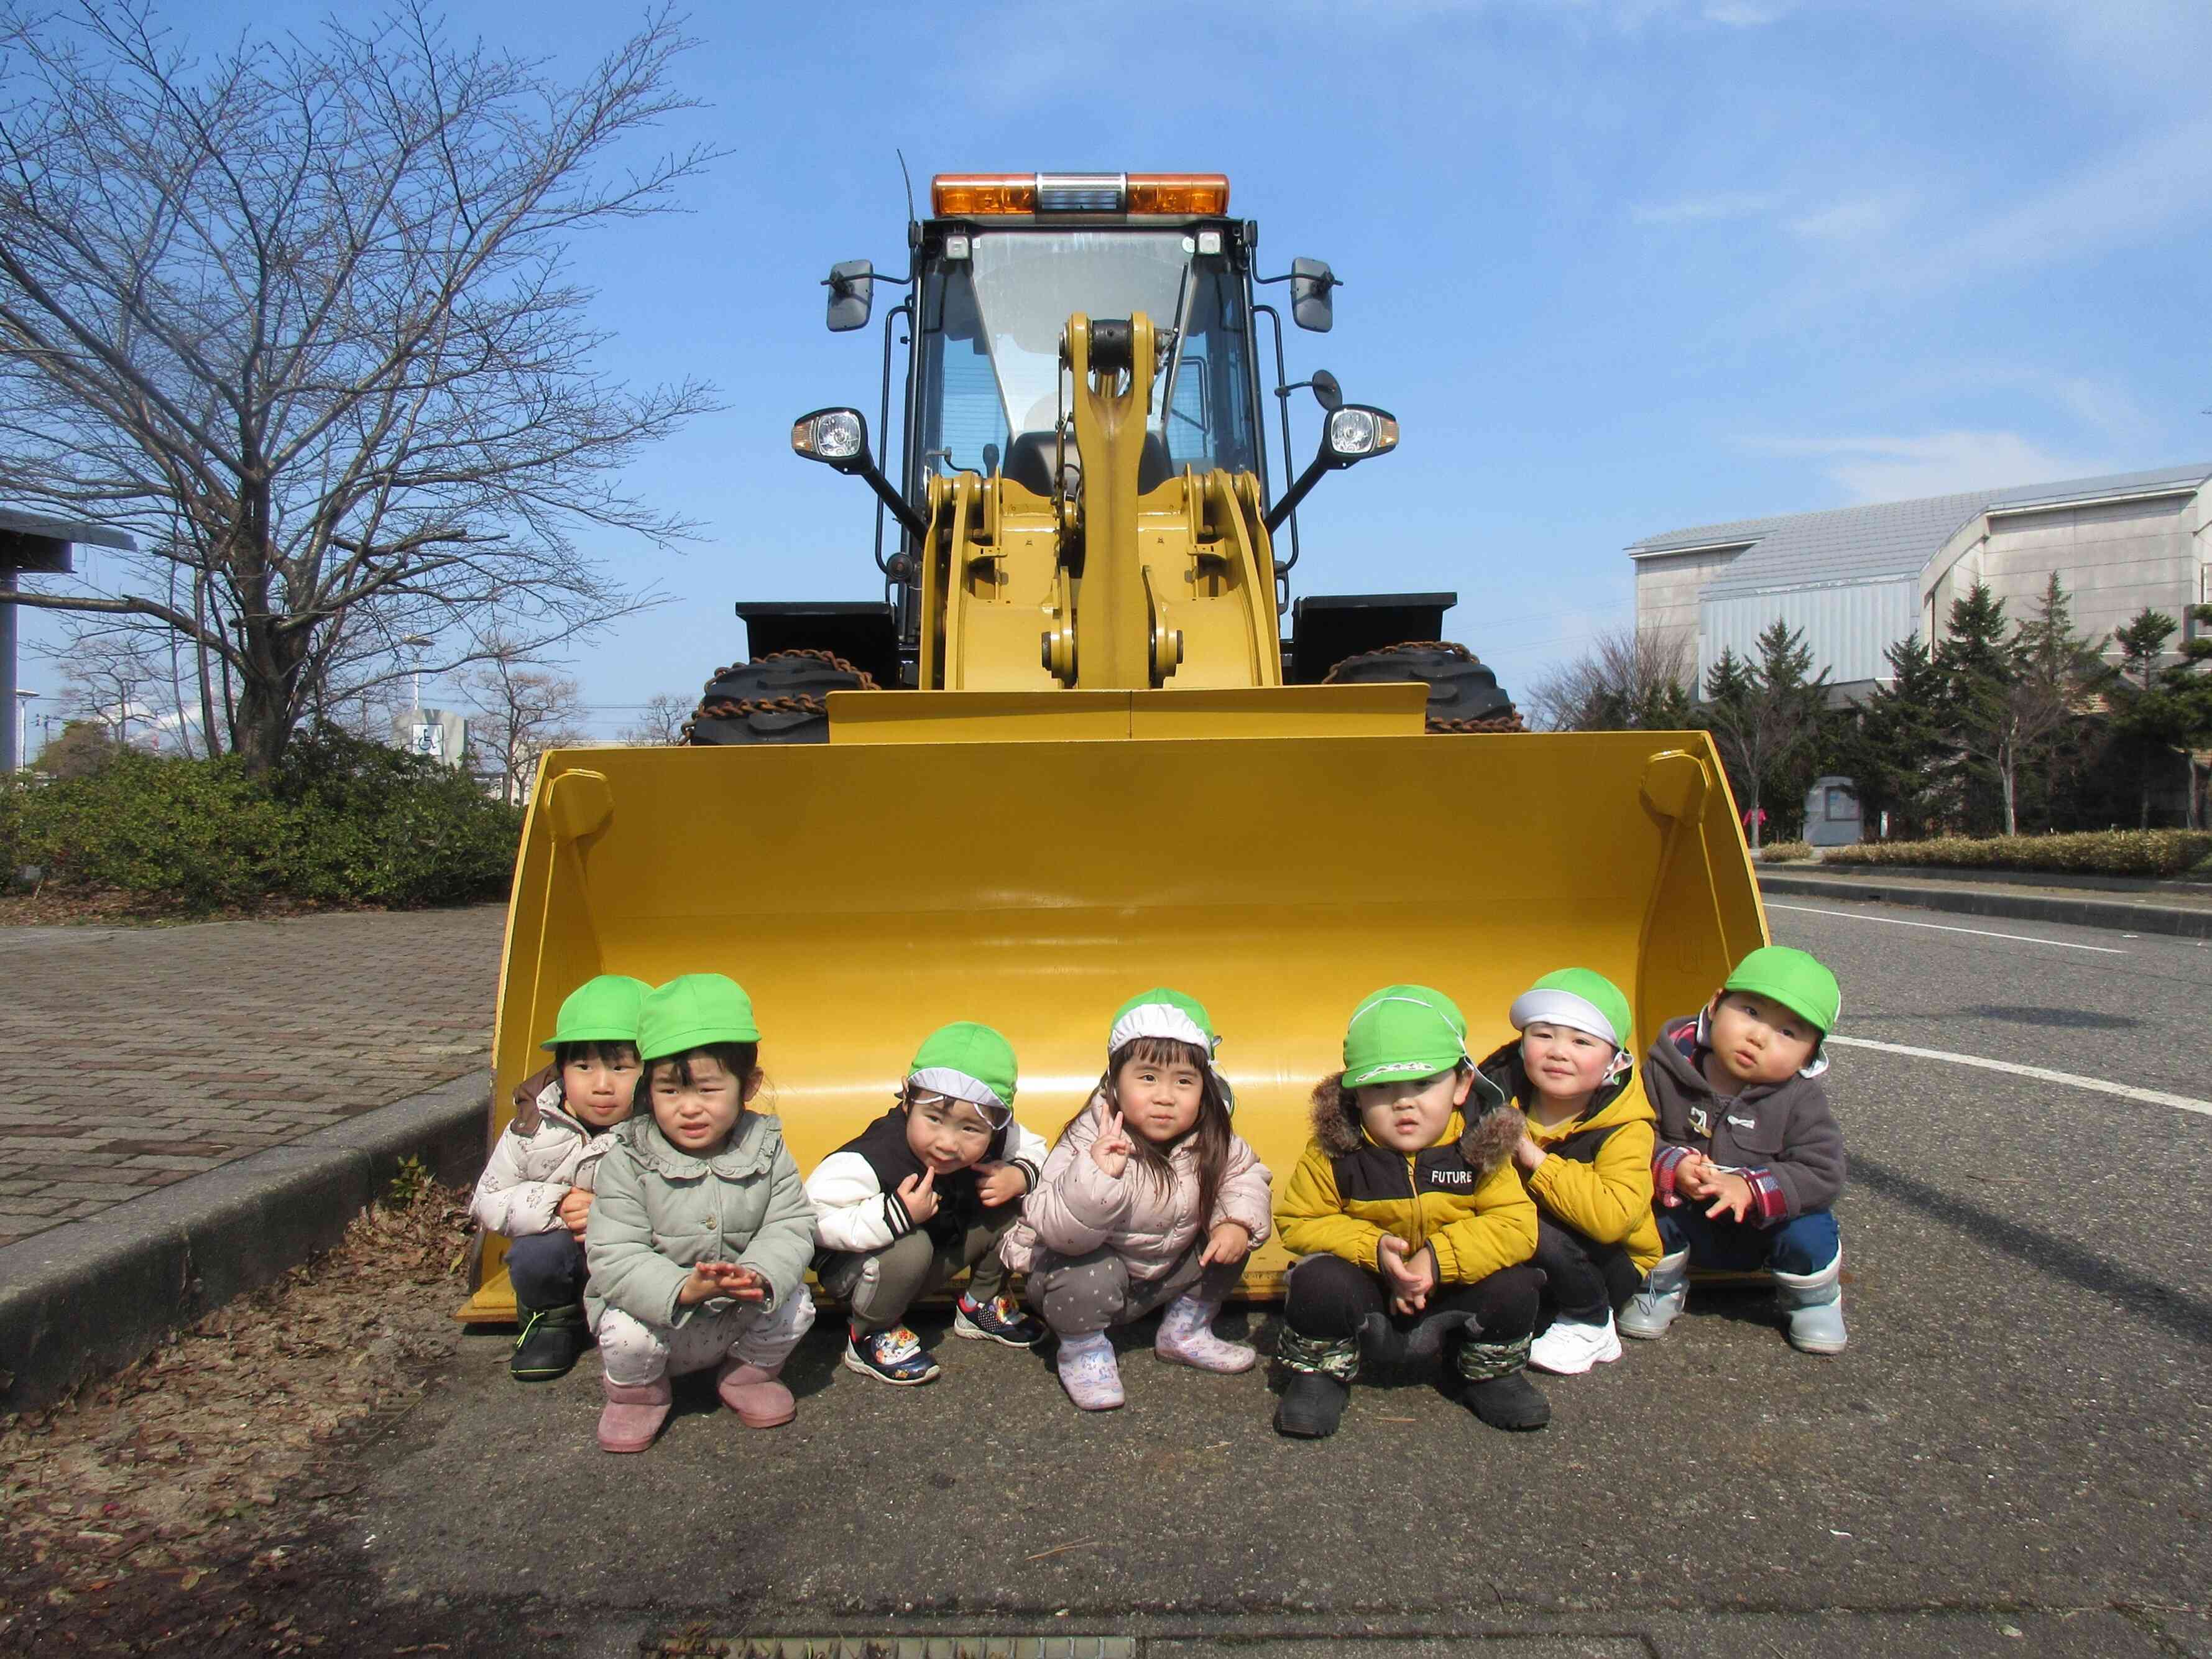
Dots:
pixel 2012 1456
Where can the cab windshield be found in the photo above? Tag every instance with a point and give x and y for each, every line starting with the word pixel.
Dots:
pixel 989 362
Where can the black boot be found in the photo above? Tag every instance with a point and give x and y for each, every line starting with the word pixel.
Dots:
pixel 1498 1390
pixel 550 1344
pixel 1311 1406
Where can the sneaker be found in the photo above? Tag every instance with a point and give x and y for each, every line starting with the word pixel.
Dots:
pixel 1571 1347
pixel 999 1320
pixel 894 1356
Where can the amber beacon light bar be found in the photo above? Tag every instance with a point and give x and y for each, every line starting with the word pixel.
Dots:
pixel 976 195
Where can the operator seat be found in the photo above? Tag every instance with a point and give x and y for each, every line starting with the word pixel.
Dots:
pixel 1029 462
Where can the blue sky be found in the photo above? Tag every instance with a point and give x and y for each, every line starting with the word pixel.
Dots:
pixel 1616 268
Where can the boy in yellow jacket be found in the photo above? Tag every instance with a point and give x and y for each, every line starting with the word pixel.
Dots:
pixel 1413 1228
pixel 1586 1159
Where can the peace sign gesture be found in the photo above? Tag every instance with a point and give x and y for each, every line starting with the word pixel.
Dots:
pixel 1113 1148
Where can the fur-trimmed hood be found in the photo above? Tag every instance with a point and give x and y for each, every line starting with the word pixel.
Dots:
pixel 1486 1139
pixel 1505 1069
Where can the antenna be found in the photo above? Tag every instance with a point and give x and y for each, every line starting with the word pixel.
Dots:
pixel 908 177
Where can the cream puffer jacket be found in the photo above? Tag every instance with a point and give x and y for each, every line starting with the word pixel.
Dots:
pixel 545 1152
pixel 1078 1208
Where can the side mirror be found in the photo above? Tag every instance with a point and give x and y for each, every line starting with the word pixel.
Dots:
pixel 1311 284
pixel 852 288
pixel 836 437
pixel 1327 393
pixel 1356 432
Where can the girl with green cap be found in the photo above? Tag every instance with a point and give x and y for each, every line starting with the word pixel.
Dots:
pixel 701 1234
pixel 1750 1160
pixel 1412 1229
pixel 1585 1159
pixel 536 1188
pixel 925 1191
pixel 1148 1200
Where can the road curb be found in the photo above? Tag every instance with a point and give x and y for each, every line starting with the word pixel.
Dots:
pixel 2175 921
pixel 90 1296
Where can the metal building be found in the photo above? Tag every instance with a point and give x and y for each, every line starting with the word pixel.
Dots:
pixel 1858 579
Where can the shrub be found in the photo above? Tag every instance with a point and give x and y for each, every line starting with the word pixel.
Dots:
pixel 2099 853
pixel 1784 852
pixel 339 821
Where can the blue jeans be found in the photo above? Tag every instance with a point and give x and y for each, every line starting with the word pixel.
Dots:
pixel 1803 1245
pixel 546 1269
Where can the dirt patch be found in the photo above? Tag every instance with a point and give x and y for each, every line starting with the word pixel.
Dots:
pixel 184 1504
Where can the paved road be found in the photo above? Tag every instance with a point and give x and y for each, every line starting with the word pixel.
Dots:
pixel 139 1056
pixel 2012 1458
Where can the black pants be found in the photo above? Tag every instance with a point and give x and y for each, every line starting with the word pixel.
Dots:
pixel 1584 1279
pixel 1330 1298
pixel 546 1269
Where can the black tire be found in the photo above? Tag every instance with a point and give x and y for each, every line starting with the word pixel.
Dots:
pixel 778 698
pixel 1463 694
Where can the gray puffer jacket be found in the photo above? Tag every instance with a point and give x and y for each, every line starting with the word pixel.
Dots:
pixel 1078 1208
pixel 659 1211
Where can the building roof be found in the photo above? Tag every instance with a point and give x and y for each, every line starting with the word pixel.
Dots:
pixel 1883 541
pixel 63 530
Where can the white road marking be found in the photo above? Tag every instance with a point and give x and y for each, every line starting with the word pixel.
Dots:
pixel 2043 1074
pixel 1978 932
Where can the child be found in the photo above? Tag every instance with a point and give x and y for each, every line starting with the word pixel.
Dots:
pixel 536 1188
pixel 927 1189
pixel 1750 1159
pixel 1410 1221
pixel 1149 1199
pixel 699 1239
pixel 1585 1157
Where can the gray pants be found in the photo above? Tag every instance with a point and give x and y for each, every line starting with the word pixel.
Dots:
pixel 1078 1295
pixel 880 1285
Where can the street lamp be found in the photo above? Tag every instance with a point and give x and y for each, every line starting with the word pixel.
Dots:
pixel 418 644
pixel 23 727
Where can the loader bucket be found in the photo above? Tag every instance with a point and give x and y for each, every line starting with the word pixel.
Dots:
pixel 865 891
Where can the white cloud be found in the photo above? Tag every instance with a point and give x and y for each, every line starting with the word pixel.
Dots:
pixel 1744 13
pixel 1851 220
pixel 1705 209
pixel 1897 469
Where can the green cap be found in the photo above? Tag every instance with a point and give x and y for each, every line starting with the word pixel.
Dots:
pixel 1580 999
pixel 968 1062
pixel 1160 1013
pixel 1799 983
pixel 602 1010
pixel 693 1010
pixel 1403 1032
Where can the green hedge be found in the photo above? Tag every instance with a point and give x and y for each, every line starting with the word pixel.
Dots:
pixel 337 822
pixel 2098 852
pixel 1784 852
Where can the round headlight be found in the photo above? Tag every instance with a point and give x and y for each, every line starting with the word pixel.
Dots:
pixel 1351 432
pixel 837 435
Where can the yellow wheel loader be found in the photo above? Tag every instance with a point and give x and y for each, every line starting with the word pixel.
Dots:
pixel 1072 754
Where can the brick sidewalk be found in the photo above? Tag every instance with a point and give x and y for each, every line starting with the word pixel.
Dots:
pixel 140 1056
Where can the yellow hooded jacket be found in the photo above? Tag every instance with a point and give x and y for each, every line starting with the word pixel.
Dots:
pixel 1597 1177
pixel 1459 1196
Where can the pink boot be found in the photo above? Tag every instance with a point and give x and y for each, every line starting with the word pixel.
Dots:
pixel 752 1392
pixel 633 1415
pixel 1089 1371
pixel 1186 1336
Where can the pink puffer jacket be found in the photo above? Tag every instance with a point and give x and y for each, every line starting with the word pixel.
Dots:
pixel 1077 1208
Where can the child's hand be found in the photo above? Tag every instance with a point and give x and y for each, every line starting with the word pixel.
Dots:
pixel 1000 1183
pixel 919 1194
pixel 1734 1194
pixel 1527 1155
pixel 713 1279
pixel 574 1210
pixel 1412 1273
pixel 1113 1149
pixel 1229 1241
pixel 1695 1176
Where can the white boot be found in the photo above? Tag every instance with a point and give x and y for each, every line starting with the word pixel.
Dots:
pixel 1814 1304
pixel 1665 1288
pixel 1570 1347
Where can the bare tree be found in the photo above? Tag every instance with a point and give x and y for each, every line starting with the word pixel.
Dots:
pixel 296 316
pixel 110 675
pixel 521 710
pixel 1630 679
pixel 661 722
